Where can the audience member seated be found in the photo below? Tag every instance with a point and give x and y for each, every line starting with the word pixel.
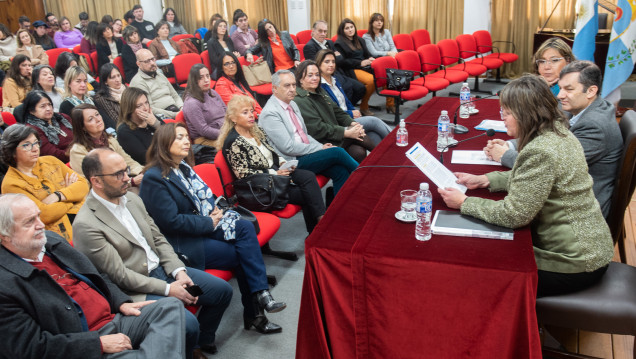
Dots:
pixel 248 151
pixel 108 96
pixel 67 36
pixel 219 44
pixel 18 81
pixel 108 46
pixel 244 37
pixel 56 189
pixel 136 124
pixel 235 20
pixel 163 98
pixel 379 40
pixel 550 58
pixel 375 128
pixel 54 130
pixel 203 108
pixel 40 274
pixel 232 81
pixel 75 89
pixel 213 19
pixel 592 120
pixel 548 189
pixel 28 48
pixel 164 49
pixel 8 44
pixel 359 59
pixel 325 120
pixel 65 61
pixel 82 25
pixel 145 28
pixel 118 26
pixel 88 45
pixel 41 36
pixel 43 79
pixel 277 48
pixel 24 23
pixel 54 25
pixel 89 133
pixel 183 207
pixel 106 228
pixel 131 46
pixel 170 16
pixel 282 121
pixel 352 88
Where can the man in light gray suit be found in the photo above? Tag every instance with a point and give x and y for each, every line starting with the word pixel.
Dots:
pixel 592 121
pixel 283 123
pixel 116 233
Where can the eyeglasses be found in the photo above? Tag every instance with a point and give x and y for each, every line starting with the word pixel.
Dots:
pixel 119 174
pixel 229 63
pixel 29 146
pixel 152 59
pixel 552 62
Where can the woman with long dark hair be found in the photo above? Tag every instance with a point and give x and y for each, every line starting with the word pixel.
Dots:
pixel 276 47
pixel 137 123
pixel 8 45
pixel 55 132
pixel 378 39
pixel 43 79
pixel 231 81
pixel 18 81
pixel 170 16
pixel 108 96
pixel 88 44
pixel 220 43
pixel 108 46
pixel 130 48
pixel 203 108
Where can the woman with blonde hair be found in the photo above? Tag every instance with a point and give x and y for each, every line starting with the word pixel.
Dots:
pixel 75 89
pixel 550 58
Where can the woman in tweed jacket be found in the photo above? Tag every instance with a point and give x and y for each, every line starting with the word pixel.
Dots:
pixel 548 187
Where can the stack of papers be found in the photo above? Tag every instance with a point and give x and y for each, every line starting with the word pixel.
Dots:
pixel 486 125
pixel 451 223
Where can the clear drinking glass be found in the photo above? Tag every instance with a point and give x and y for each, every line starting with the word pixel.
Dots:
pixel 408 203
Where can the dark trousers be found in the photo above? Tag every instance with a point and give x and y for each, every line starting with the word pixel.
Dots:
pixel 553 283
pixel 243 255
pixel 216 296
pixel 333 162
pixel 306 193
pixel 353 89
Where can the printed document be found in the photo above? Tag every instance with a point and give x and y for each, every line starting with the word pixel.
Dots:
pixel 432 168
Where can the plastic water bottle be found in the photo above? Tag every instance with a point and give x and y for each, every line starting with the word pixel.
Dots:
pixel 464 98
pixel 424 209
pixel 402 136
pixel 443 131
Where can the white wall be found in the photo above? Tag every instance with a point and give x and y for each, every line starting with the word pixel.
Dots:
pixel 298 15
pixel 152 10
pixel 476 15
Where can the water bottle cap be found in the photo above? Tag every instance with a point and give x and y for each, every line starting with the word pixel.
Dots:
pixel 423 186
pixel 465 84
pixel 444 112
pixel 402 124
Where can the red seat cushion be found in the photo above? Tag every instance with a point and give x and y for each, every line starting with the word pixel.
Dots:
pixel 432 83
pixel 414 93
pixel 471 69
pixel 505 56
pixel 490 62
pixel 453 76
pixel 269 225
pixel 289 211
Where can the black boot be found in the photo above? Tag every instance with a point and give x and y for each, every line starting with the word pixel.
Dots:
pixel 267 302
pixel 260 321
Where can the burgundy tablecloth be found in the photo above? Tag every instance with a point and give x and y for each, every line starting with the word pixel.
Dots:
pixel 371 290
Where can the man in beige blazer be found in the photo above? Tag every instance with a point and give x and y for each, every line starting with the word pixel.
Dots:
pixel 120 238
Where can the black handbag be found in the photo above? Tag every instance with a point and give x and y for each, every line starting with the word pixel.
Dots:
pixel 398 80
pixel 262 192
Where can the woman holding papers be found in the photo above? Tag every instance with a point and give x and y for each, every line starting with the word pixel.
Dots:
pixel 548 187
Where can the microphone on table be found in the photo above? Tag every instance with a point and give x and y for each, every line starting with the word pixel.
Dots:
pixel 490 132
pixel 463 129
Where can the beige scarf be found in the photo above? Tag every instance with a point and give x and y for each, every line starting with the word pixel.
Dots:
pixel 116 94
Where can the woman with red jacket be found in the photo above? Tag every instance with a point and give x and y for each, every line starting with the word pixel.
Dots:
pixel 231 81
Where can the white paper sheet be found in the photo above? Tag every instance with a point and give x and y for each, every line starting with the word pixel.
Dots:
pixel 472 158
pixel 485 125
pixel 432 168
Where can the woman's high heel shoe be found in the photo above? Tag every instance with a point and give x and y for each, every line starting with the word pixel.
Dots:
pixel 262 325
pixel 267 302
pixel 391 109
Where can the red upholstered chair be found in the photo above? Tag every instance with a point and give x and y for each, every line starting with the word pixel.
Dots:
pixel 485 46
pixel 362 32
pixel 264 89
pixel 8 118
pixel 300 49
pixel 93 63
pixel 294 38
pixel 468 48
pixel 182 36
pixel 431 60
pixel 182 64
pixel 410 60
pixel 334 38
pixel 119 62
pixel 449 50
pixel 205 58
pixel 380 65
pixel 53 54
pixel 77 49
pixel 420 37
pixel 303 36
pixel 403 42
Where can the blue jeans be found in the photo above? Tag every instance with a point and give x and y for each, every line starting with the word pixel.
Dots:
pixel 375 128
pixel 333 162
pixel 216 296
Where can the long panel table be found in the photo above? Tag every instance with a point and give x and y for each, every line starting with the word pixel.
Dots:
pixel 371 290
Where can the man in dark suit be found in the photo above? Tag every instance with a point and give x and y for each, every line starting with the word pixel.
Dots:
pixel 354 89
pixel 116 233
pixel 54 302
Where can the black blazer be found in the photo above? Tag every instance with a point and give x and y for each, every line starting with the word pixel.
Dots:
pixel 311 50
pixel 40 319
pixel 352 58
pixel 130 62
pixel 103 51
pixel 216 52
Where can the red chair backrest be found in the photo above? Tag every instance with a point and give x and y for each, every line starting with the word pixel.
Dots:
pixel 467 45
pixel 379 69
pixel 483 41
pixel 294 38
pixel 449 50
pixel 300 48
pixel 206 60
pixel 303 36
pixel 77 49
pixel 209 175
pixel 8 118
pixel 429 54
pixel 403 41
pixel 180 118
pixel 182 36
pixel 408 60
pixel 182 64
pixel 334 38
pixel 420 37
pixel 362 32
pixel 53 54
pixel 95 62
pixel 227 176
pixel 119 62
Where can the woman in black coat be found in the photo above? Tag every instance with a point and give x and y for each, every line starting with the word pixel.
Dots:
pixel 105 43
pixel 220 43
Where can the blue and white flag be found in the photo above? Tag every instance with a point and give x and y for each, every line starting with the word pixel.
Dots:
pixel 620 61
pixel 586 29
